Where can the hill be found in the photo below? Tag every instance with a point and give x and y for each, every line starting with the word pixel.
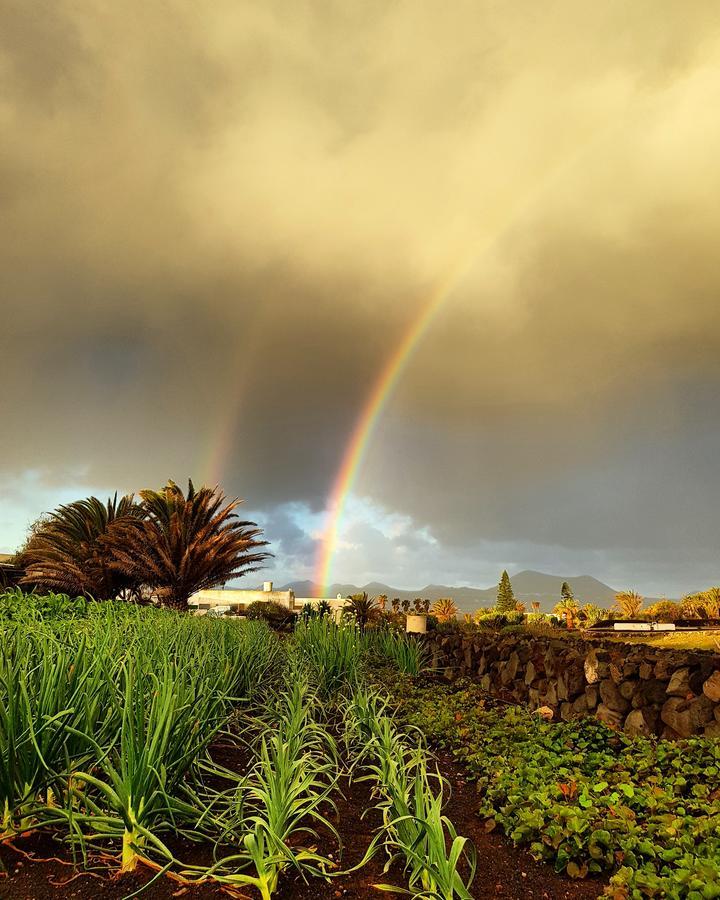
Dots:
pixel 528 586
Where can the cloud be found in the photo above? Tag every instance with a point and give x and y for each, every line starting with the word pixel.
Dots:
pixel 217 226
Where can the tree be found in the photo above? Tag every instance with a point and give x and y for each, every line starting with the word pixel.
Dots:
pixel 185 544
pixel 665 611
pixel 591 613
pixel 629 603
pixel 444 609
pixel 566 592
pixel 568 609
pixel 505 597
pixel 704 605
pixel 69 550
pixel 364 608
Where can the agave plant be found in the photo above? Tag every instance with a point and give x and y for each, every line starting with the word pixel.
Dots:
pixel 186 544
pixel 445 609
pixel 69 550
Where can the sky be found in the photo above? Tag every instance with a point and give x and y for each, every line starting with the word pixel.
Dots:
pixel 219 221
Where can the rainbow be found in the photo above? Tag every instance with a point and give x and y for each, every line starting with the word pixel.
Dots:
pixel 370 415
pixel 390 375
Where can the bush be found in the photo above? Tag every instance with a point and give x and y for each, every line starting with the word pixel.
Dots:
pixel 495 621
pixel 319 610
pixel 273 613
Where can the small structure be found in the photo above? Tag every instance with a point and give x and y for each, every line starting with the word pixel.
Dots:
pixel 227 600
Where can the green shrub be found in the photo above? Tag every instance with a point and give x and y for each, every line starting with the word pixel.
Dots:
pixel 273 613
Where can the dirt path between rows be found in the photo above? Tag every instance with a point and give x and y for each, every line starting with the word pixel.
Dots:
pixel 40 868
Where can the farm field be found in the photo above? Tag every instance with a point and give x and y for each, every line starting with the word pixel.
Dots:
pixel 149 753
pixel 145 749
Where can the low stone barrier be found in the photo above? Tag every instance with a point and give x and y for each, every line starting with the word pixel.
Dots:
pixel 634 687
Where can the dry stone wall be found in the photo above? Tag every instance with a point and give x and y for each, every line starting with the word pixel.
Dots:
pixel 634 687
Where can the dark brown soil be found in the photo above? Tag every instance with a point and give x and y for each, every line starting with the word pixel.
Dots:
pixel 39 868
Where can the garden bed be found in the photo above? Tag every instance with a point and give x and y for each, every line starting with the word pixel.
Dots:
pixel 503 870
pixel 587 800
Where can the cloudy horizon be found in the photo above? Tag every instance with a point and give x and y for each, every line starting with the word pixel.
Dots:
pixel 218 225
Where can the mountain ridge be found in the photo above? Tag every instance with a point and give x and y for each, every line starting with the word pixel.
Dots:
pixel 528 585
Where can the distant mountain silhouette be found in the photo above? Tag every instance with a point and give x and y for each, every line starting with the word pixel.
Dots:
pixel 528 586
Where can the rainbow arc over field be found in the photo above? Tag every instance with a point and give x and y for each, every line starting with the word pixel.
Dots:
pixel 356 448
pixel 370 415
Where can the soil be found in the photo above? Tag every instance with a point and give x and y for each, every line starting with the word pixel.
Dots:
pixel 40 868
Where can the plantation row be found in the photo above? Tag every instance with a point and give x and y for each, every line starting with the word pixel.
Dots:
pixel 110 716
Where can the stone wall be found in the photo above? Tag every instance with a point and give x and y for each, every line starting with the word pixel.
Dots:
pixel 635 687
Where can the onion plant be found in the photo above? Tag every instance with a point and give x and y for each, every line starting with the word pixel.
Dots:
pixel 331 654
pixel 291 782
pixel 411 801
pixel 406 653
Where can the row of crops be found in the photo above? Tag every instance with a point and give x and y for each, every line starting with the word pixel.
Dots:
pixel 110 720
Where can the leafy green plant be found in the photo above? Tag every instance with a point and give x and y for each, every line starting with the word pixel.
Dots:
pixel 582 797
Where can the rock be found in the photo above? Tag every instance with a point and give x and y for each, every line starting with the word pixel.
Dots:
pixel 663 667
pixel 575 679
pixel 592 692
pixel 512 666
pixel 649 693
pixel 580 706
pixel 712 730
pixel 551 696
pixel 612 698
pixel 687 717
pixel 711 688
pixel 679 685
pixel 636 724
pixel 596 666
pixel 627 689
pixel 562 688
pixel 530 673
pixel 485 683
pixel 566 711
pixel 609 717
pixel 645 671
pixel 544 712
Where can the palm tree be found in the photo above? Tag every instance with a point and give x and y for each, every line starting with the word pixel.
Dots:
pixel 362 607
pixel 444 609
pixel 568 608
pixel 186 544
pixel 629 603
pixel 68 550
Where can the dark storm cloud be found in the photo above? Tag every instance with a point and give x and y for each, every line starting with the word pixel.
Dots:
pixel 217 224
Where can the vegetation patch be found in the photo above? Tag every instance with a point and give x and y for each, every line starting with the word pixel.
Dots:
pixel 580 796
